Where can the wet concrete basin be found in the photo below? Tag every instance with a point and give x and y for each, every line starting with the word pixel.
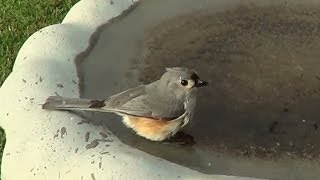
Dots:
pixel 258 118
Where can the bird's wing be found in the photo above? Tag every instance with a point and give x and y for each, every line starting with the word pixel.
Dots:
pixel 138 102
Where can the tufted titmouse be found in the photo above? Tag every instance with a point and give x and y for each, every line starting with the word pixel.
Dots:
pixel 156 111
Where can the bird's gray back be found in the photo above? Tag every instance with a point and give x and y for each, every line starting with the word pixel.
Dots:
pixel 147 101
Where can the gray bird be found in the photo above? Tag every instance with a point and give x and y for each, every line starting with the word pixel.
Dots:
pixel 156 111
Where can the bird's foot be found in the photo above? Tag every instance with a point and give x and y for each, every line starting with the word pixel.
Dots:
pixel 181 138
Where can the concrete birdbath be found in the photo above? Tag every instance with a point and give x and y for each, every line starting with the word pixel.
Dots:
pixel 258 118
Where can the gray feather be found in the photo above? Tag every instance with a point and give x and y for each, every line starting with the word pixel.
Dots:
pixel 63 103
pixel 146 101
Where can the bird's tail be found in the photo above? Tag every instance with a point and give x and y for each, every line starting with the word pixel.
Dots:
pixel 63 103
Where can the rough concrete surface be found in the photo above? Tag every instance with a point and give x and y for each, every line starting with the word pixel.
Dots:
pixel 57 145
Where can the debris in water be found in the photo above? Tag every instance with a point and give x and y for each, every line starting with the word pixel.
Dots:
pixel 60 85
pixel 86 136
pixel 104 135
pixel 107 140
pixel 63 131
pixel 315 125
pixel 93 144
pixel 273 126
pixel 92 176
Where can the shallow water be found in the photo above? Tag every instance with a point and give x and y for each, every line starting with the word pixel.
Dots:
pixel 259 116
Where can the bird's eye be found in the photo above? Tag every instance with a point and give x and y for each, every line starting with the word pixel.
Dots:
pixel 184 82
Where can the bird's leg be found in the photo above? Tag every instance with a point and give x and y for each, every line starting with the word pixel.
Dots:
pixel 181 138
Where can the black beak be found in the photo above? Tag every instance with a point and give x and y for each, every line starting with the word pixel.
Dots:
pixel 200 83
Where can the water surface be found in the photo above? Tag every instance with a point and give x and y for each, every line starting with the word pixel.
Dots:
pixel 258 118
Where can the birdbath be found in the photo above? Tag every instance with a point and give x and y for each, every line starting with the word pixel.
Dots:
pixel 258 119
